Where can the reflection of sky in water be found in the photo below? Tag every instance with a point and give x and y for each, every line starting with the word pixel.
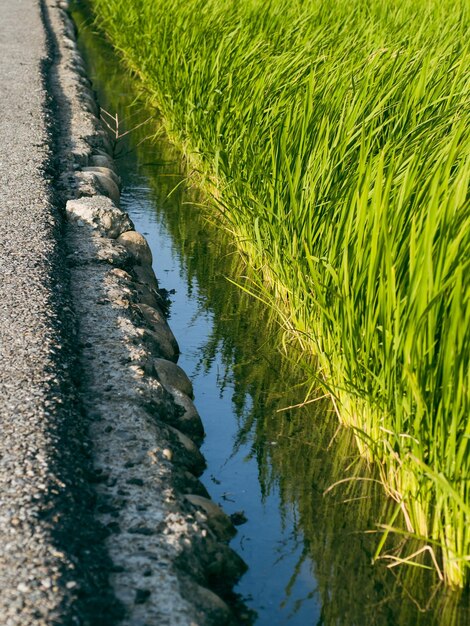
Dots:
pixel 268 544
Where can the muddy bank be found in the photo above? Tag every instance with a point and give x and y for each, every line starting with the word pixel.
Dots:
pixel 166 540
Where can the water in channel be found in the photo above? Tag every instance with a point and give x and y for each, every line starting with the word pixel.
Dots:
pixel 309 548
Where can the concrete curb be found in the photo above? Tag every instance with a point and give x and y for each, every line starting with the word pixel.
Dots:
pixel 167 541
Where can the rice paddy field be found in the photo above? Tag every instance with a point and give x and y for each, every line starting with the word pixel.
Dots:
pixel 334 138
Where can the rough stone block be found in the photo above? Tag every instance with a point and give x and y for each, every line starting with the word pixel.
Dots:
pixel 100 213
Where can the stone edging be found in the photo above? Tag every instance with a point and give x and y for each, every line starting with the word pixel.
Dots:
pixel 166 538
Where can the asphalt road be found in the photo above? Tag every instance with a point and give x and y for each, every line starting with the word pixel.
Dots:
pixel 44 576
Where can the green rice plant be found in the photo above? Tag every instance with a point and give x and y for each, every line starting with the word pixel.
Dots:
pixel 335 138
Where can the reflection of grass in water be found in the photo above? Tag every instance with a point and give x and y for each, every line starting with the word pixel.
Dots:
pixel 307 458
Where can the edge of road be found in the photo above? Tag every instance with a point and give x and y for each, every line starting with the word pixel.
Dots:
pixel 152 530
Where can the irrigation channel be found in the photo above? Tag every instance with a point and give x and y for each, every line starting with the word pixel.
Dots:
pixel 308 547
